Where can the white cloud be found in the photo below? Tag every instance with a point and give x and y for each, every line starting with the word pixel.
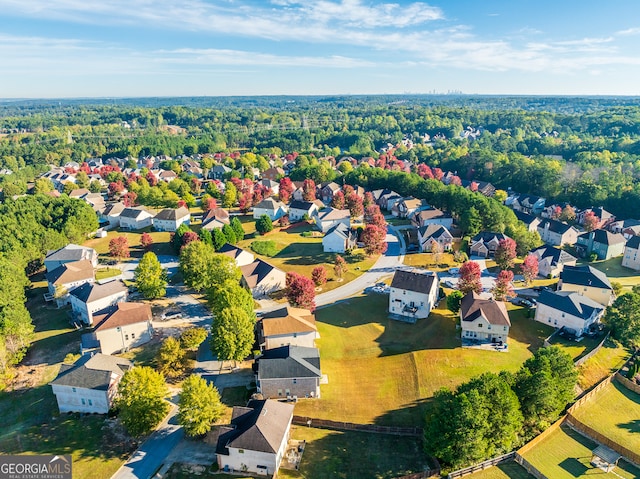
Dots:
pixel 629 31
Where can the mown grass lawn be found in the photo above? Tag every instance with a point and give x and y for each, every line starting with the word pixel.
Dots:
pixel 614 411
pixel 335 454
pixel 104 273
pixel 507 470
pixel 161 245
pixel 429 261
pixel 383 371
pixel 608 359
pixel 617 273
pixel 565 454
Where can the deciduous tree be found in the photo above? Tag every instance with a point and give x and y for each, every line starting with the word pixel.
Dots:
pixel 505 253
pixel 151 279
pixel 453 301
pixel 590 221
pixel 624 319
pixel 286 189
pixel 232 334
pixel 503 287
pixel 300 291
pixel 529 268
pixel 171 360
pixel 339 266
pixel 338 200
pixel 119 247
pixel 192 338
pixel 319 275
pixel 308 190
pixel 374 239
pixel 199 406
pixel 203 268
pixel 470 278
pixel 264 225
pixel 146 241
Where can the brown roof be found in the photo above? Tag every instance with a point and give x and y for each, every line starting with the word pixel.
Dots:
pixel 473 306
pixel 219 214
pixel 425 215
pixel 288 320
pixel 78 192
pixel 71 272
pixel 122 314
pixel 255 272
pixel 333 214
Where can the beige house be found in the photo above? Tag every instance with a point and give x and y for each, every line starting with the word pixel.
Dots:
pixel 552 260
pixel 432 216
pixel 70 254
pixel 556 233
pixel 256 440
pixel 406 206
pixel 240 256
pixel 431 235
pixel 64 279
pixel 287 326
pixel 91 297
pixel 90 384
pixel 111 214
pixel 485 244
pixel 569 310
pixel 170 219
pixel 631 258
pixel 121 327
pixel 587 281
pixel 483 320
pixel 289 371
pixel 414 293
pixel 215 218
pixel 329 217
pixel 262 278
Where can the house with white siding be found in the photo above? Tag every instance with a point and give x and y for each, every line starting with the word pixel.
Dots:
pixel 90 384
pixel 631 256
pixel 215 218
pixel 262 278
pixel 91 297
pixel 240 256
pixel 170 219
pixel 339 239
pixel 257 438
pixel 69 254
pixel 329 217
pixel 552 260
pixel 569 310
pixel 414 293
pixel 271 207
pixel 64 279
pixel 135 218
pixel 483 320
pixel 111 214
pixel 298 210
pixel 431 235
pixel 285 326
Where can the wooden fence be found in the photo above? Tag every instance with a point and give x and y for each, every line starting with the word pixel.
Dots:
pixel 481 466
pixel 422 475
pixel 349 426
pixel 586 396
pixel 591 353
pixel 529 467
pixel 627 383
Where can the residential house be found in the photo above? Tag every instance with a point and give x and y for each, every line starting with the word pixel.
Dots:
pixel 119 328
pixel 530 221
pixel 298 192
pixel 604 244
pixel 485 244
pixel 486 188
pixel 604 217
pixel 240 256
pixel 64 279
pixel 431 235
pixel 170 219
pixel 552 260
pixel 69 254
pixel 587 281
pixel 627 228
pixel 287 325
pixel 79 193
pixel 215 218
pixel 483 320
pixel 135 218
pixel 298 210
pixel 219 172
pixel 339 238
pixel 262 278
pixel 273 174
pixel 90 384
pixel 431 216
pixel 528 204
pixel 271 207
pixel 387 200
pixel 556 233
pixel 91 297
pixel 631 258
pixel 257 438
pixel 111 214
pixel 95 200
pixel 289 371
pixel 270 185
pixel 327 190
pixel 329 217
pixel 414 293
pixel 569 310
pixel 406 207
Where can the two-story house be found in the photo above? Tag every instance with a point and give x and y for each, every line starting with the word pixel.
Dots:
pixel 119 328
pixel 271 207
pixel 339 239
pixel 485 244
pixel 569 310
pixel 69 254
pixel 215 218
pixel 299 209
pixel 604 244
pixel 587 281
pixel 289 371
pixel 328 190
pixel 406 207
pixel 552 260
pixel 556 233
pixel 432 216
pixel 64 279
pixel 631 257
pixel 414 293
pixel 262 278
pixel 288 325
pixel 329 217
pixel 135 218
pixel 431 235
pixel 240 256
pixel 91 297
pixel 170 219
pixel 483 320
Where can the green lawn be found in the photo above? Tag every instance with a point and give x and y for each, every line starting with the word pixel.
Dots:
pixel 507 470
pixel 354 455
pixel 614 412
pixel 430 262
pixel 161 245
pixel 577 349
pixel 617 273
pixel 383 371
pixel 565 454
pixel 104 273
pixel 607 360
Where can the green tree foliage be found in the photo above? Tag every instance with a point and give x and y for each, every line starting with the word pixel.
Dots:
pixel 140 401
pixel 624 318
pixel 230 294
pixel 206 236
pixel 203 268
pixel 237 228
pixel 264 225
pixel 192 338
pixel 229 234
pixel 176 239
pixel 199 406
pixel 43 185
pixel 453 301
pixel 232 334
pixel 171 360
pixel 219 239
pixel 151 279
pixel 230 195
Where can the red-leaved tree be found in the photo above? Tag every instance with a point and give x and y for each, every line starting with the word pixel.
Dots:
pixel 340 267
pixel 470 278
pixel 308 190
pixel 590 221
pixel 129 199
pixel 368 200
pixel 338 200
pixel 286 189
pixel 503 287
pixel 146 241
pixel 319 275
pixel 189 237
pixel 374 239
pixel 529 268
pixel 210 203
pixel 505 253
pixel 300 291
pixel 119 247
pixel 354 204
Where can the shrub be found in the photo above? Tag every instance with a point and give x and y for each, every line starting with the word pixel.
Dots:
pixel 593 257
pixel 265 248
pixel 306 234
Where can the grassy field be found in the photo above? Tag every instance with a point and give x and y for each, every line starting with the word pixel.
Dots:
pixel 565 454
pixel 607 360
pixel 335 454
pixel 161 245
pixel 617 273
pixel 614 411
pixel 104 273
pixel 428 261
pixel 508 470
pixel 382 371
pixel 302 254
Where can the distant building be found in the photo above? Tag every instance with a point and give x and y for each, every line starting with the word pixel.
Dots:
pixel 587 281
pixel 631 257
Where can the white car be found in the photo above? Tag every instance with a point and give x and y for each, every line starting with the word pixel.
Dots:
pixel 167 315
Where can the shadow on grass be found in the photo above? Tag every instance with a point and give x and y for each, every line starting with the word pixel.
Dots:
pixel 53 349
pixel 574 467
pixel 528 331
pixel 631 426
pixel 409 415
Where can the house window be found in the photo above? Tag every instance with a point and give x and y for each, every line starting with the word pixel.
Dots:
pixel 421 303
pixel 240 451
pixel 287 392
pixel 90 402
pixel 489 327
pixel 295 335
pixel 295 381
pixel 133 335
pixel 73 389
pixel 480 325
pixel 126 337
pixel 83 403
pixel 279 392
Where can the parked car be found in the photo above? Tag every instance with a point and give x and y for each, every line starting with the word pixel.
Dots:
pixel 454 270
pixel 167 315
pixel 522 302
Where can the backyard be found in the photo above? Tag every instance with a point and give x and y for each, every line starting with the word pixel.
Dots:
pixel 506 470
pixel 617 273
pixel 383 372
pixel 160 246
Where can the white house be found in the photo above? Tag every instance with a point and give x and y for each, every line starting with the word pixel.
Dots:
pixel 111 214
pixel 587 281
pixel 285 326
pixel 431 217
pixel 90 297
pixel 631 258
pixel 170 219
pixel 569 310
pixel 90 384
pixel 135 218
pixel 557 233
pixel 64 279
pixel 552 260
pixel 271 207
pixel 483 320
pixel 433 234
pixel 262 278
pixel 121 327
pixel 257 438
pixel 70 254
pixel 240 256
pixel 414 293
pixel 338 239
pixel 298 209
pixel 288 371
pixel 329 217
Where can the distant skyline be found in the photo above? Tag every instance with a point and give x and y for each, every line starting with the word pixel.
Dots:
pixel 142 48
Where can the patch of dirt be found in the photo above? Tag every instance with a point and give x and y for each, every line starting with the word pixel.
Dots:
pixel 115 440
pixel 28 376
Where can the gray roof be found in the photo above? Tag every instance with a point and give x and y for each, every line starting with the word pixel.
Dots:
pixel 261 426
pixel 132 212
pixel 558 256
pixel 487 236
pixel 604 237
pixel 634 242
pixel 270 204
pixel 90 292
pixel 473 306
pixel 71 252
pixel 434 231
pixel 288 362
pixel 255 272
pixel 585 276
pixel 342 230
pixel 554 226
pixel 301 205
pixel 92 372
pixel 172 214
pixel 418 280
pixel 113 209
pixel 570 302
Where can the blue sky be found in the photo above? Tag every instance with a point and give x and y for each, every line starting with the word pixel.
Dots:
pixel 128 48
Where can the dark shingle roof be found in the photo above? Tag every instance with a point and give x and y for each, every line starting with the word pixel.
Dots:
pixel 343 230
pixel 554 226
pixel 558 256
pixel 92 372
pixel 287 362
pixel 71 252
pixel 604 237
pixel 172 214
pixel 132 212
pixel 89 292
pixel 434 231
pixel 418 280
pixel 300 205
pixel 255 272
pixel 585 276
pixel 473 306
pixel 487 236
pixel 634 242
pixel 570 302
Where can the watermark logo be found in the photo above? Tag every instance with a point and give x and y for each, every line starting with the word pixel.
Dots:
pixel 35 467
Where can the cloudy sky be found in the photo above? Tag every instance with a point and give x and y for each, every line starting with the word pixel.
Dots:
pixel 128 48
